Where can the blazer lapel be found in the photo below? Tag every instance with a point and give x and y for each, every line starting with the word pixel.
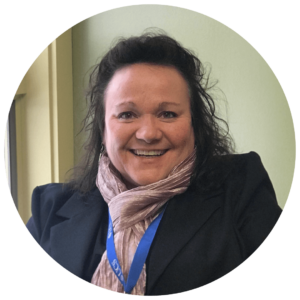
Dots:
pixel 184 216
pixel 73 241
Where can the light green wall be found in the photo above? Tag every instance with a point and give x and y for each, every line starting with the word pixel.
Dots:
pixel 257 110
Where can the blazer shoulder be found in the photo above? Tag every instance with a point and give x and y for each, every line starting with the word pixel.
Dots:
pixel 50 197
pixel 246 169
pixel 52 204
pixel 240 159
pixel 46 201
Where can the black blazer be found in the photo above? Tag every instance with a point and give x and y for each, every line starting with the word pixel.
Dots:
pixel 201 237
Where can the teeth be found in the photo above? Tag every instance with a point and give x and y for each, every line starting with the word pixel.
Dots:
pixel 149 153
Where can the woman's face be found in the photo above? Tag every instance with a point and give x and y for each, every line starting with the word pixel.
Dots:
pixel 148 127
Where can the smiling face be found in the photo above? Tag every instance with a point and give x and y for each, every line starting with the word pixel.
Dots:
pixel 148 127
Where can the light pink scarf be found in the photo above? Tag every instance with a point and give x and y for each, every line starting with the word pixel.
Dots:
pixel 132 211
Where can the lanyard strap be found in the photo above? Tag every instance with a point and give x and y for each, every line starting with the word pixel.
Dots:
pixel 139 256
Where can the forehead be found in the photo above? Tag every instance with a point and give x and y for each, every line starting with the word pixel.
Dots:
pixel 146 80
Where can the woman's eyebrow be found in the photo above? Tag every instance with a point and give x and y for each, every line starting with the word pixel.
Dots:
pixel 164 104
pixel 128 103
pixel 161 105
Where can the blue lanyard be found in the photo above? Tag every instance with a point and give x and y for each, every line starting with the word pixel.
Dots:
pixel 139 256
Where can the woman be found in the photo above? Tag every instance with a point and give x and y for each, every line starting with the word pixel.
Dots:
pixel 167 207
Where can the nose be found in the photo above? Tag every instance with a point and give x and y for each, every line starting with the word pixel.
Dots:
pixel 149 130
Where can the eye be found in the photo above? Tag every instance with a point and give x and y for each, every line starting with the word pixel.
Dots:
pixel 168 114
pixel 126 115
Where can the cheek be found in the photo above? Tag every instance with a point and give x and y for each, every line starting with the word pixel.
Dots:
pixel 117 135
pixel 183 136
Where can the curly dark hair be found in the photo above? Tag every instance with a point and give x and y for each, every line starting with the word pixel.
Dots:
pixel 211 138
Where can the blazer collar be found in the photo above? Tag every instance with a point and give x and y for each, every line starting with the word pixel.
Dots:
pixel 78 204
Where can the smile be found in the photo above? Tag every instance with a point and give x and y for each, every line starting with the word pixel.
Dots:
pixel 149 153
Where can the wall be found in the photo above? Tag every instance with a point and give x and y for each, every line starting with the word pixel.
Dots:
pixel 257 111
pixel 44 121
